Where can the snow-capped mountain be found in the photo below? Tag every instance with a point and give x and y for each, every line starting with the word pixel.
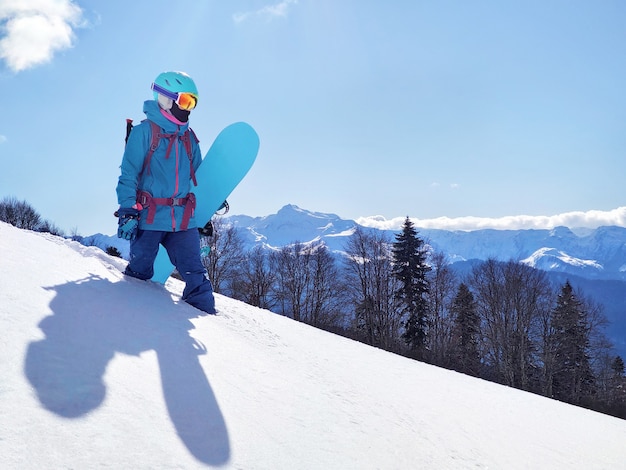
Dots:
pixel 589 253
pixel 552 259
pixel 293 224
pixel 594 254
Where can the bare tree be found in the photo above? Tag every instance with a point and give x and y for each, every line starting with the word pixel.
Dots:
pixel 292 279
pixel 49 227
pixel 546 349
pixel 599 344
pixel 442 282
pixel 256 280
pixel 511 298
pixel 324 305
pixel 19 214
pixel 307 284
pixel 372 287
pixel 222 254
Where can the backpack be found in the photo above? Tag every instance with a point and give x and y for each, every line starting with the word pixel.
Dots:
pixel 156 136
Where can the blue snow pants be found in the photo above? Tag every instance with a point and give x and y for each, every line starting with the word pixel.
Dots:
pixel 183 249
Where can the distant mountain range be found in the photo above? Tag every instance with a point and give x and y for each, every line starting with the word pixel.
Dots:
pixel 592 259
pixel 593 253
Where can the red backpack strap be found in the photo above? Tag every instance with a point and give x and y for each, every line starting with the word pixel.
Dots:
pixel 186 138
pixel 194 135
pixel 155 137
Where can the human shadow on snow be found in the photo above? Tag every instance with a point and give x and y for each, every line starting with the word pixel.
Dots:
pixel 92 320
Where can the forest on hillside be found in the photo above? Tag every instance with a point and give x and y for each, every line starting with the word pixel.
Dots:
pixel 504 321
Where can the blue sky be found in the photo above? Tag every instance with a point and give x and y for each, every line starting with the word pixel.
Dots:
pixel 441 110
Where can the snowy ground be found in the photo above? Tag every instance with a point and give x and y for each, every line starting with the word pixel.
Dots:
pixel 100 371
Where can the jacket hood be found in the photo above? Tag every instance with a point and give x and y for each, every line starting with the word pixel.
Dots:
pixel 153 112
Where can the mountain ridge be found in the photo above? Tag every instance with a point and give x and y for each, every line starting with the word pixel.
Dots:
pixel 598 253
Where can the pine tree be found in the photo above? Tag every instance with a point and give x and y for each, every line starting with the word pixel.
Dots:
pixel 466 332
pixel 573 379
pixel 410 269
pixel 617 397
pixel 618 366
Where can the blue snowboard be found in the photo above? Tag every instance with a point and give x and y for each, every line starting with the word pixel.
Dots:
pixel 226 163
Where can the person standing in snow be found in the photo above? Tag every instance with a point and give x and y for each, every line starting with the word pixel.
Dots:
pixel 154 189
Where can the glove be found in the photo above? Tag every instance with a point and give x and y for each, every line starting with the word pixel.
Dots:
pixel 128 220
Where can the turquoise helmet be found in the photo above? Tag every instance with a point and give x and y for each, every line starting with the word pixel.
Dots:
pixel 174 83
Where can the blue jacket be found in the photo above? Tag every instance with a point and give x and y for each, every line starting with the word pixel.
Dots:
pixel 167 177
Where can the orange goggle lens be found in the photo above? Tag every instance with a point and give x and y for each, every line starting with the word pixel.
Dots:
pixel 186 101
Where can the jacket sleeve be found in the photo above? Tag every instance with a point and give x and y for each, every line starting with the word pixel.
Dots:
pixel 132 164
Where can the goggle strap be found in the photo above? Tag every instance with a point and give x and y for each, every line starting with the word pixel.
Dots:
pixel 164 92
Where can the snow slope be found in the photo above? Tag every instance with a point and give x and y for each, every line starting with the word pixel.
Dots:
pixel 101 371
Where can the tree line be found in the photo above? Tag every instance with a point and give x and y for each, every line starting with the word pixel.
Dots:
pixel 22 215
pixel 502 321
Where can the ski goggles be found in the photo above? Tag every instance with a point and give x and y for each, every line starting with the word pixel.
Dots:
pixel 185 101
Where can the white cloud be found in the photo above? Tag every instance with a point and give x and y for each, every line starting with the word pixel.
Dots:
pixel 437 185
pixel 33 30
pixel 279 10
pixel 590 219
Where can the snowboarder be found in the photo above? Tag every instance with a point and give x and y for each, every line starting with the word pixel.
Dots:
pixel 154 189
